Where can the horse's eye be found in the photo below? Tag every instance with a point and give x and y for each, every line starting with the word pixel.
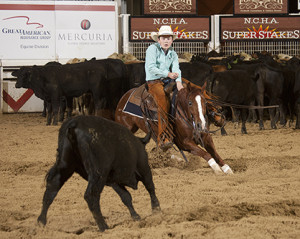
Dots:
pixel 190 103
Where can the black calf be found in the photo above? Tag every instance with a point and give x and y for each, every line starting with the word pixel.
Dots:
pixel 104 153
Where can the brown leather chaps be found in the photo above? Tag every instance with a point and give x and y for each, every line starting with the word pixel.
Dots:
pixel 156 89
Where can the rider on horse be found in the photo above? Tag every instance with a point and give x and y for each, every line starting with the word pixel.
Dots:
pixel 161 65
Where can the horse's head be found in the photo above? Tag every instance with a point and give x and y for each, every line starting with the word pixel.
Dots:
pixel 213 110
pixel 193 103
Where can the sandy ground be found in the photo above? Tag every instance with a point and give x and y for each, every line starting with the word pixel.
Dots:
pixel 261 200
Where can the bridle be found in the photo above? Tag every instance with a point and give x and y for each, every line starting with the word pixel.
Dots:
pixel 188 118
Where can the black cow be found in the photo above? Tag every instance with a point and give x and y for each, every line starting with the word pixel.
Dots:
pixel 234 87
pixel 40 89
pixel 114 87
pixel 103 152
pixel 296 92
pixel 23 73
pixel 270 85
pixel 136 74
pixel 102 78
pixel 195 72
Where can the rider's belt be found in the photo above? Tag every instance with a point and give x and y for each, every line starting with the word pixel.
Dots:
pixel 153 81
pixel 165 81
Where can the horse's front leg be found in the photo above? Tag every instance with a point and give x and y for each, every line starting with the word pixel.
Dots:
pixel 192 147
pixel 211 149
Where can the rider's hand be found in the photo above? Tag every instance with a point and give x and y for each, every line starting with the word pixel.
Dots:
pixel 173 75
pixel 179 85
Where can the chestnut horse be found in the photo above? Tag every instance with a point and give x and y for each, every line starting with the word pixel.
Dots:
pixel 190 124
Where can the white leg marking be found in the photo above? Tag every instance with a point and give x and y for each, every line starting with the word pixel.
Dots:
pixel 226 169
pixel 212 163
pixel 198 100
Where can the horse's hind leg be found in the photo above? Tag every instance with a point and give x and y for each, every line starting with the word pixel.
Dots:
pixel 56 178
pixel 126 199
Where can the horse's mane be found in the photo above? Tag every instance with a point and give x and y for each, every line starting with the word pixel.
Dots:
pixel 212 99
pixel 206 94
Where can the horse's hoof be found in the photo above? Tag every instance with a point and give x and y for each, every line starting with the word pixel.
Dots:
pixel 226 169
pixel 213 164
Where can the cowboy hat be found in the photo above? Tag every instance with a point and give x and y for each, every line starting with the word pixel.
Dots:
pixel 163 31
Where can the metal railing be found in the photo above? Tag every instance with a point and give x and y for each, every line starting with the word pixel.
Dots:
pixel 138 49
pixel 291 48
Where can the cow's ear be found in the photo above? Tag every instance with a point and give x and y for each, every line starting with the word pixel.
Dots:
pixel 15 73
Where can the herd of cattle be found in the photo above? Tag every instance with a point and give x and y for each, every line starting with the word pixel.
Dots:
pixel 236 83
pixel 262 81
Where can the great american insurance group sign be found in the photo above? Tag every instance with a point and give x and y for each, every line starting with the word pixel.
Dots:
pixel 260 28
pixel 57 29
pixel 186 28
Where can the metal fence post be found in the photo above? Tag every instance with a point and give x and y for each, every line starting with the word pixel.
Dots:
pixel 125 30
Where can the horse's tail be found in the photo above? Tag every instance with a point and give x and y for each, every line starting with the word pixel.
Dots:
pixel 63 133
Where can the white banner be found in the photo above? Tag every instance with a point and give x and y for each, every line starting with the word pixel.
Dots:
pixel 57 30
pixel 26 33
pixel 85 32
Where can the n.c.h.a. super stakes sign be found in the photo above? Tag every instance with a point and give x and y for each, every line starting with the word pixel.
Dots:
pixel 186 28
pixel 260 28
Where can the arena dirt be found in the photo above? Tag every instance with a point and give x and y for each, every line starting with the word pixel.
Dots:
pixel 261 199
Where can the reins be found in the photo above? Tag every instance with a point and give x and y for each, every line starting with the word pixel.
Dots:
pixel 222 103
pixel 185 118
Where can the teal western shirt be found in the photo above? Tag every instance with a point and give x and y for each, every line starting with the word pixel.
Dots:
pixel 158 64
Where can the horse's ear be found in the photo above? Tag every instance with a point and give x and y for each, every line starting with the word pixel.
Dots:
pixel 189 86
pixel 204 86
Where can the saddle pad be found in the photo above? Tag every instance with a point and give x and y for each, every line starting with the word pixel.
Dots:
pixel 133 104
